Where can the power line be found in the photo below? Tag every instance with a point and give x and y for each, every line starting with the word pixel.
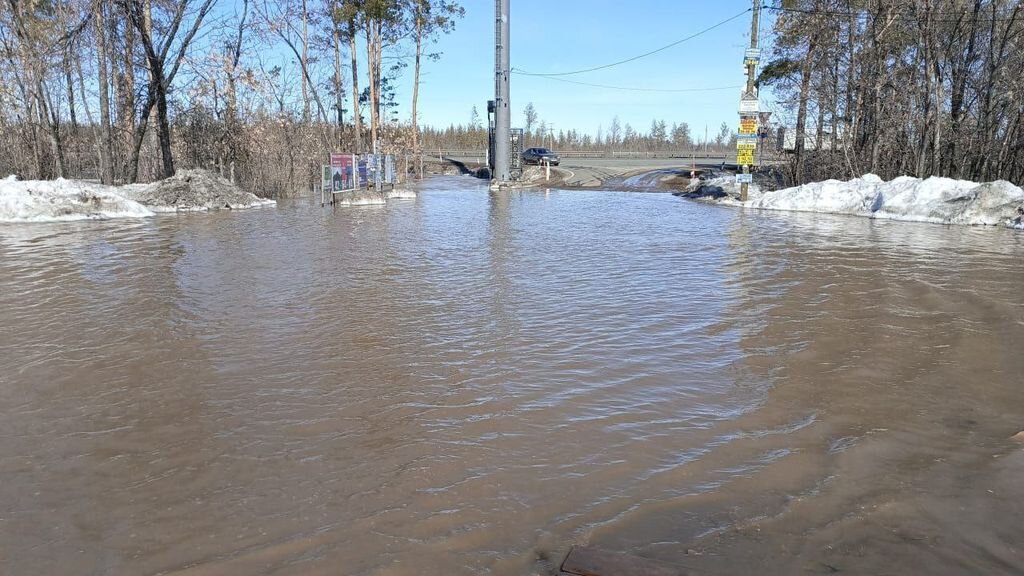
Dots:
pixel 963 16
pixel 629 88
pixel 644 55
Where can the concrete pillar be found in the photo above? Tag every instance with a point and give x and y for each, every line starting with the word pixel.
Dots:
pixel 503 114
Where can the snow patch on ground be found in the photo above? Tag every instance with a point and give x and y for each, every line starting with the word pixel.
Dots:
pixel 62 200
pixel 935 199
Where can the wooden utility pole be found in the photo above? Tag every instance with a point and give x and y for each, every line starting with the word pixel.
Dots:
pixel 746 139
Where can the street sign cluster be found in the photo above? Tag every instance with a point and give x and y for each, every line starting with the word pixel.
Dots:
pixel 746 138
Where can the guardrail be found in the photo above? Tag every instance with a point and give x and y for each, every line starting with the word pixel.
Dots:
pixel 629 154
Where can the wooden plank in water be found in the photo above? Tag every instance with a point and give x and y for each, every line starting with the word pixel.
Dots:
pixel 594 562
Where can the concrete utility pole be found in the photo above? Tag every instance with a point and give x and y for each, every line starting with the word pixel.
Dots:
pixel 749 107
pixel 503 114
pixel 750 62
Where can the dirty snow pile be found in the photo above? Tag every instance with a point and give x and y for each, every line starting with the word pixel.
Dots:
pixel 719 189
pixel 63 200
pixel 938 200
pixel 191 191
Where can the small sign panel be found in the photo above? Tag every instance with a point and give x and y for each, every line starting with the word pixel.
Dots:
pixel 744 178
pixel 325 178
pixel 748 125
pixel 749 106
pixel 746 145
pixel 744 157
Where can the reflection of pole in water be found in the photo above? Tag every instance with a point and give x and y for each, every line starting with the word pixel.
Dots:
pixel 500 246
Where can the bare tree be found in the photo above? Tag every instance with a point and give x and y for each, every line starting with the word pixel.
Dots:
pixel 163 67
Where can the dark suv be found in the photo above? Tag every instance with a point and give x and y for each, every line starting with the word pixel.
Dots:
pixel 537 155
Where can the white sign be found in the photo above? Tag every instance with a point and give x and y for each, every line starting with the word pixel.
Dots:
pixel 749 106
pixel 744 178
pixel 753 54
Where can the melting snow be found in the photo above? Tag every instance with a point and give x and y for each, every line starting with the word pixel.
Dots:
pixel 938 200
pixel 62 200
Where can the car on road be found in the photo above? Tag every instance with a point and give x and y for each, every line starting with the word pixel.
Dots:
pixel 538 155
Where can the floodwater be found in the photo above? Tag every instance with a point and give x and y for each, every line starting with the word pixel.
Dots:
pixel 473 382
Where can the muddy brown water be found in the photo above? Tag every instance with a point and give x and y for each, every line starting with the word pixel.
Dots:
pixel 472 382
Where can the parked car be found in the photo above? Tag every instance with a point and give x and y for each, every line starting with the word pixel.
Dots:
pixel 537 155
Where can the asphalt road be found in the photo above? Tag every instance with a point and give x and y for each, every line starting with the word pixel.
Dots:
pixel 596 171
pixel 586 172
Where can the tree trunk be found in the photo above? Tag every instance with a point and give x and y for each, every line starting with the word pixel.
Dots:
pixel 801 115
pixel 70 86
pixel 52 117
pixel 106 142
pixel 124 86
pixel 373 63
pixel 338 89
pixel 416 79
pixel 305 64
pixel 357 121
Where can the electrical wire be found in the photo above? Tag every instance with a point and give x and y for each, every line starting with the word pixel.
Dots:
pixel 962 16
pixel 633 89
pixel 644 55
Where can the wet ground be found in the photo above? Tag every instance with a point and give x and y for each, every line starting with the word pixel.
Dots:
pixel 472 382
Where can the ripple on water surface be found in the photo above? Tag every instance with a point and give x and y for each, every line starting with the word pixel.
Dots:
pixel 470 382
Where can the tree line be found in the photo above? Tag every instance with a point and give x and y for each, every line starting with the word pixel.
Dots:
pixel 617 137
pixel 126 90
pixel 893 87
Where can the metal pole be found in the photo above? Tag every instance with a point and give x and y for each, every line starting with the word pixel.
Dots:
pixel 503 114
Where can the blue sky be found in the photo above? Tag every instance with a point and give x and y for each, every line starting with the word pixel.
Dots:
pixel 564 35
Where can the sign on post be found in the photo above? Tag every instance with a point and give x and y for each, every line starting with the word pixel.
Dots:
pixel 325 177
pixel 748 125
pixel 745 152
pixel 744 178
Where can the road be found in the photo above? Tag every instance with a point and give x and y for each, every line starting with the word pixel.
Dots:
pixel 621 172
pixel 598 171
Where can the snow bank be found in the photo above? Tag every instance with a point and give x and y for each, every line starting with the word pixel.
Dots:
pixel 63 200
pixel 193 191
pixel 939 200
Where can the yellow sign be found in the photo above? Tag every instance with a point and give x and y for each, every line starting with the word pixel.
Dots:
pixel 750 145
pixel 744 157
pixel 748 126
